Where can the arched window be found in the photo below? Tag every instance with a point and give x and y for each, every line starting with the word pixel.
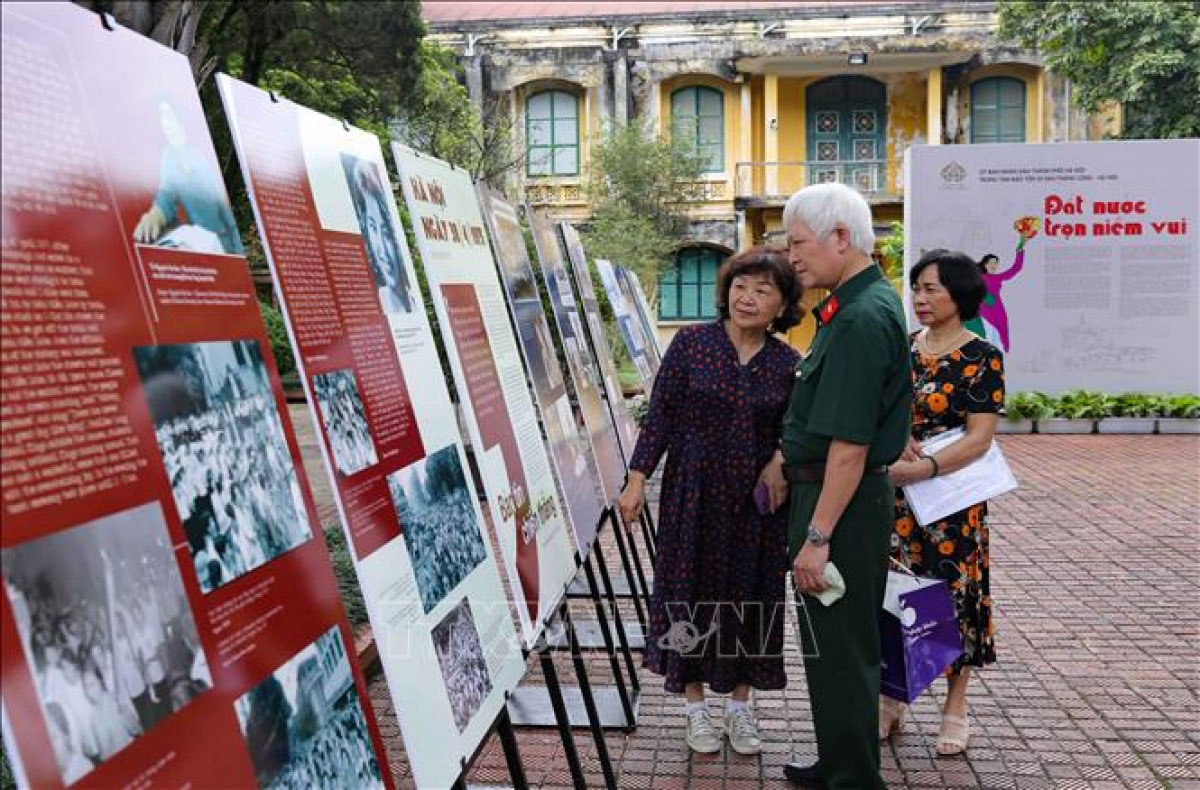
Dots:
pixel 698 117
pixel 998 111
pixel 552 134
pixel 688 290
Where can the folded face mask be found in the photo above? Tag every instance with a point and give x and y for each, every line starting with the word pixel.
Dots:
pixel 835 586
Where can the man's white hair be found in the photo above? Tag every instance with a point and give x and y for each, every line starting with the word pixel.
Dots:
pixel 822 207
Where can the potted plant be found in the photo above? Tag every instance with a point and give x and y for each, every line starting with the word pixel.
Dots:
pixel 1179 414
pixel 1131 412
pixel 1024 410
pixel 1075 411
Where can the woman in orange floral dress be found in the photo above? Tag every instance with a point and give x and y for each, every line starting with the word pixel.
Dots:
pixel 958 382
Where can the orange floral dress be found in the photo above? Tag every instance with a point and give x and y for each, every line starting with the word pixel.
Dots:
pixel 945 390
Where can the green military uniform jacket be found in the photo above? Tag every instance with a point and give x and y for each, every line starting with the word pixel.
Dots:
pixel 855 384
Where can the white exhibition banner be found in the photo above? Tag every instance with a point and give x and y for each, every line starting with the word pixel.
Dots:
pixel 626 428
pixel 581 362
pixel 642 308
pixel 629 325
pixel 527 516
pixel 387 428
pixel 1095 277
pixel 566 436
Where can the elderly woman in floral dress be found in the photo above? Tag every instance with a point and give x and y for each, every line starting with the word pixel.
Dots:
pixel 958 382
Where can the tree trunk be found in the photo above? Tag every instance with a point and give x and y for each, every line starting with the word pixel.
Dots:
pixel 172 23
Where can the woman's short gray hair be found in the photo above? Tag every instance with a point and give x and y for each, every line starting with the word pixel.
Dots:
pixel 823 206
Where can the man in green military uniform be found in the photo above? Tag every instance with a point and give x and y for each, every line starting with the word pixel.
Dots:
pixel 847 419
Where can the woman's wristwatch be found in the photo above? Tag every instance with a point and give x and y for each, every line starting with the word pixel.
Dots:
pixel 816 537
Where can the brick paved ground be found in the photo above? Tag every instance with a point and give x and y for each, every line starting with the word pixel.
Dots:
pixel 1094 571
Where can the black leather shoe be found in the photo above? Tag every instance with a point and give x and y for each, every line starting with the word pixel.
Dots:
pixel 804 775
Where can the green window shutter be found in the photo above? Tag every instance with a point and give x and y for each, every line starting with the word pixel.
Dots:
pixel 998 111
pixel 688 289
pixel 698 117
pixel 668 293
pixel 552 134
pixel 709 264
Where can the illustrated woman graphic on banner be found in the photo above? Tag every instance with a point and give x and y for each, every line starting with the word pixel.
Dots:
pixel 992 322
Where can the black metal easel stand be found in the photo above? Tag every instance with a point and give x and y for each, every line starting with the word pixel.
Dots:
pixel 502 727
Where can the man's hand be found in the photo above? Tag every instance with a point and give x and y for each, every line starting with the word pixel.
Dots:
pixel 912 451
pixel 808 570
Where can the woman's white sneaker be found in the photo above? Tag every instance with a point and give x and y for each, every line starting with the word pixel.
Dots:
pixel 742 730
pixel 701 735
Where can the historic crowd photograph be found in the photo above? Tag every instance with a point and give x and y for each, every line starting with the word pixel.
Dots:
pixel 223 446
pixel 463 665
pixel 107 633
pixel 442 534
pixel 304 724
pixel 345 421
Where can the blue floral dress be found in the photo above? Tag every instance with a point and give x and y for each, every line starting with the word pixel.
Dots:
pixel 716 615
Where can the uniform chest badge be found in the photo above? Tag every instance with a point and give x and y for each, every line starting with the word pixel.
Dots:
pixel 829 310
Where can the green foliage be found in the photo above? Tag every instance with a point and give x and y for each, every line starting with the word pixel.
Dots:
pixel 891 250
pixel 1029 406
pixel 1082 405
pixel 1142 54
pixel 281 347
pixel 639 407
pixel 347 581
pixel 1180 406
pixel 1134 404
pixel 7 781
pixel 639 186
pixel 440 120
pixel 1090 405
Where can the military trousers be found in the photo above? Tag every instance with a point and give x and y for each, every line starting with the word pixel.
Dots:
pixel 841 641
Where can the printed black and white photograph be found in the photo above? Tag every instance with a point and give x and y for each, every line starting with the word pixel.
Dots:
pixel 226 455
pixel 463 665
pixel 539 348
pixel 304 724
pixel 433 503
pixel 514 259
pixel 370 196
pixel 107 633
pixel 345 421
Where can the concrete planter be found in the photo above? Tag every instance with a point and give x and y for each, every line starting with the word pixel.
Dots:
pixel 1062 425
pixel 1014 426
pixel 1125 425
pixel 1178 425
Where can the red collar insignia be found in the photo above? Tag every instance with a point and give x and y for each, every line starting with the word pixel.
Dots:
pixel 829 309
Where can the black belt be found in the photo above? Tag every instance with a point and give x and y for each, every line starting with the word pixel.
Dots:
pixel 815 472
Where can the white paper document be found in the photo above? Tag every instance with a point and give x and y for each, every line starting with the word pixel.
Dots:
pixel 983 479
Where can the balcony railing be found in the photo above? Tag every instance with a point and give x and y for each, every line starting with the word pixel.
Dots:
pixel 778 180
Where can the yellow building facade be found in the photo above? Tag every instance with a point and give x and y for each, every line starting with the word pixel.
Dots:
pixel 776 95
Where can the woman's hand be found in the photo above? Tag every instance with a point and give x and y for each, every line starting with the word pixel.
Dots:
pixel 903 473
pixel 912 451
pixel 150 226
pixel 632 499
pixel 777 487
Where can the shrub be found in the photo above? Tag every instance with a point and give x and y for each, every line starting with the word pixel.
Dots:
pixel 1183 406
pixel 1135 404
pixel 281 347
pixel 1082 405
pixel 347 580
pixel 1029 406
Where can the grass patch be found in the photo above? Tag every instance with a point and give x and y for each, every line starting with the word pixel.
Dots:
pixel 347 581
